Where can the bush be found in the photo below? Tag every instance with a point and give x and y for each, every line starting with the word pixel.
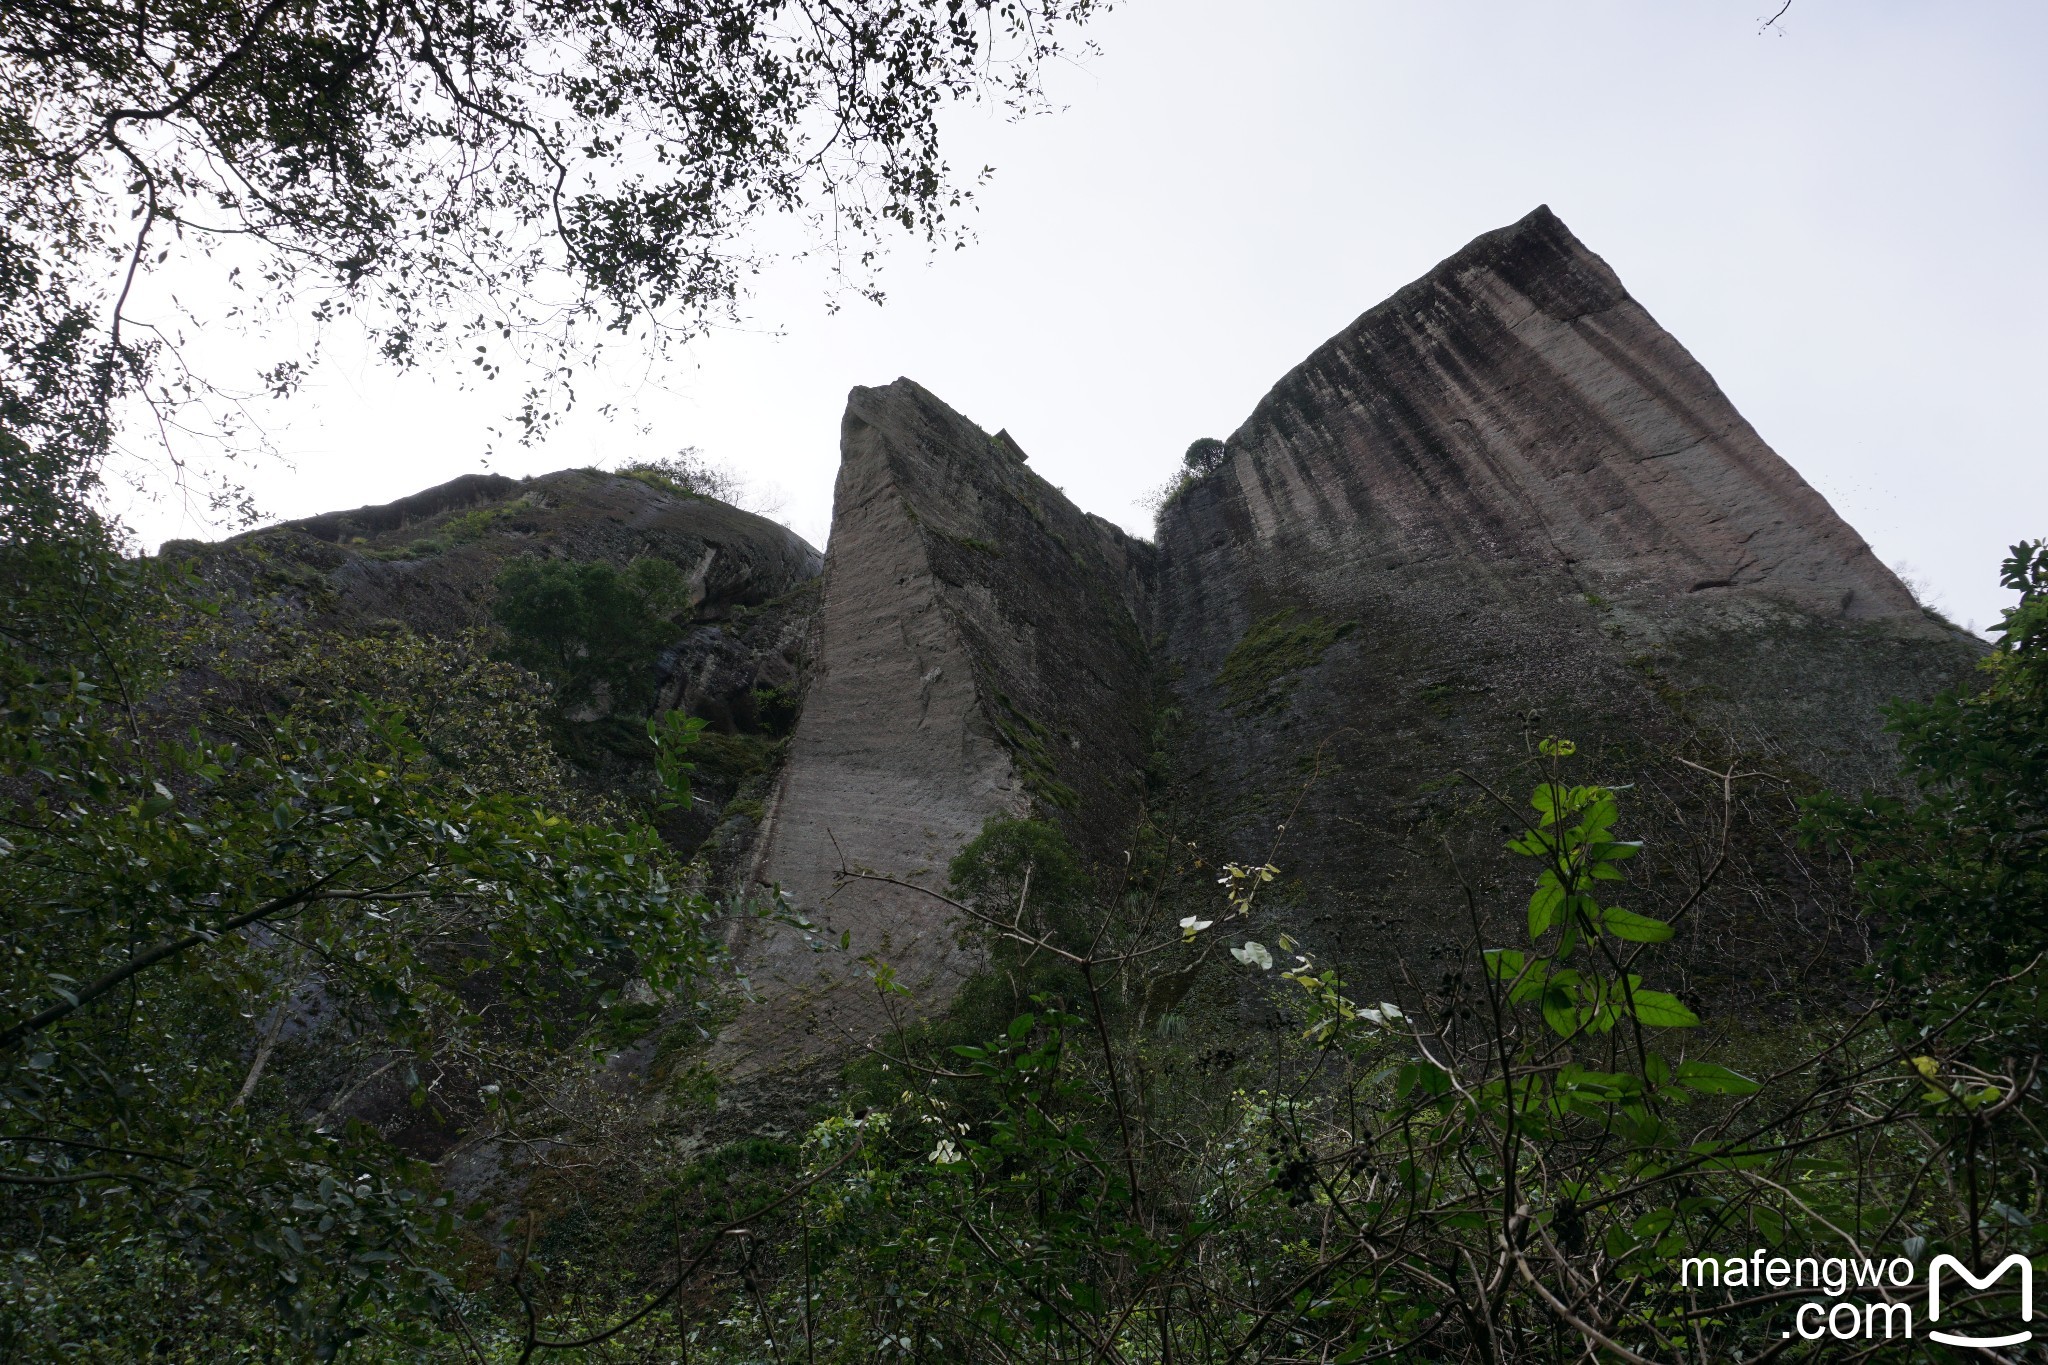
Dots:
pixel 690 475
pixel 591 631
pixel 1204 456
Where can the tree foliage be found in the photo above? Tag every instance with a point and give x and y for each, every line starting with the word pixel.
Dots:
pixel 491 182
pixel 1513 1167
pixel 592 631
pixel 1204 456
pixel 1960 871
pixel 347 851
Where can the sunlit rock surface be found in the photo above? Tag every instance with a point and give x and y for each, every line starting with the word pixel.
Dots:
pixel 978 656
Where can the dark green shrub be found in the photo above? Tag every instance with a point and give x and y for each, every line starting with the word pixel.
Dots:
pixel 589 629
pixel 1204 456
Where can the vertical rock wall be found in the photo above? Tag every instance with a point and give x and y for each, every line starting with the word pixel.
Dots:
pixel 1513 505
pixel 976 630
pixel 1501 504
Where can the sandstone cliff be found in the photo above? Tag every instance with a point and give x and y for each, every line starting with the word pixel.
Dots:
pixel 1512 502
pixel 978 657
pixel 1503 503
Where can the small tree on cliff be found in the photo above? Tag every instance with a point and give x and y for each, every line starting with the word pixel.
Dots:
pixel 1203 457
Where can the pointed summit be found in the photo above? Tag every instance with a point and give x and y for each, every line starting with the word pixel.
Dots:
pixel 1515 407
pixel 1504 501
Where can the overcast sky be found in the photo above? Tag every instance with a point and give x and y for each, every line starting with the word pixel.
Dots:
pixel 1841 217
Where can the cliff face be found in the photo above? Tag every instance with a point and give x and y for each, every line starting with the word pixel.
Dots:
pixel 1502 504
pixel 1511 505
pixel 1516 409
pixel 430 562
pixel 978 657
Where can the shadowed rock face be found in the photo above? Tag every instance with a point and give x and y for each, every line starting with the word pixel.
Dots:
pixel 978 657
pixel 1521 508
pixel 431 561
pixel 1503 503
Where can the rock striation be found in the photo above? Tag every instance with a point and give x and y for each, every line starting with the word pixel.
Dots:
pixel 1503 503
pixel 1527 509
pixel 978 657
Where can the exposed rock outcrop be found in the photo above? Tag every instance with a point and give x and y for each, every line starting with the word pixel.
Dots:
pixel 1503 502
pixel 978 656
pixel 1516 502
pixel 429 562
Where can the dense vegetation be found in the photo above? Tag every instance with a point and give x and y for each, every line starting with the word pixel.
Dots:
pixel 247 871
pixel 591 631
pixel 1081 1162
pixel 322 953
pixel 287 912
pixel 1091 1157
pixel 295 915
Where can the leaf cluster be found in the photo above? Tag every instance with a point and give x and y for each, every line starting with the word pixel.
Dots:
pixel 1959 870
pixel 339 905
pixel 591 631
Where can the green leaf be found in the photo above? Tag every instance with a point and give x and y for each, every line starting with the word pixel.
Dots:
pixel 1569 936
pixel 1561 998
pixel 1601 1084
pixel 1660 1009
pixel 1524 975
pixel 1652 1224
pixel 1600 812
pixel 1628 925
pixel 1710 1079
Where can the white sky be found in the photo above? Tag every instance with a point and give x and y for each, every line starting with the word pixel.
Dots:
pixel 1841 218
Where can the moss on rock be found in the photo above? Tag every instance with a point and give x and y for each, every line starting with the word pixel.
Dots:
pixel 1260 671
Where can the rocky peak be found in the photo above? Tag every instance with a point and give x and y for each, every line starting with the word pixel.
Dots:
pixel 1501 504
pixel 978 657
pixel 1516 409
pixel 1503 498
